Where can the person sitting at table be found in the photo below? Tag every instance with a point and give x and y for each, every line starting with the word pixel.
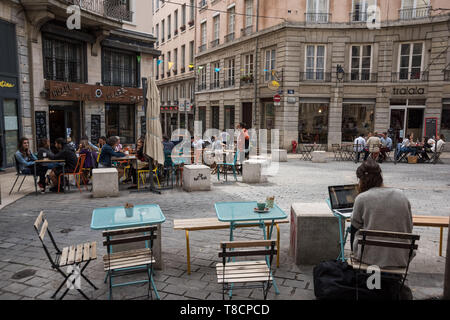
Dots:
pixel 386 143
pixel 143 162
pixel 381 208
pixel 406 147
pixel 90 160
pixel 118 147
pixel 70 158
pixel 25 161
pixel 372 146
pixel 101 142
pixel 167 145
pixel 92 146
pixel 71 144
pixel 108 152
pixel 359 146
pixel 438 144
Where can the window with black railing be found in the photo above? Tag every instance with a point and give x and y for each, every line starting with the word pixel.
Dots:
pixel 63 60
pixel 446 75
pixel 119 68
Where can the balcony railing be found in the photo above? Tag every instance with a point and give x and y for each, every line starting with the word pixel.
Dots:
pixel 410 76
pixel 229 37
pixel 229 83
pixel 202 3
pixel 215 85
pixel 247 31
pixel 183 70
pixel 246 79
pixel 414 13
pixel 175 71
pixel 202 48
pixel 358 16
pixel 361 77
pixel 214 43
pixel 175 32
pixel 116 9
pixel 202 86
pixel 446 75
pixel 318 76
pixel 317 17
pixel 183 27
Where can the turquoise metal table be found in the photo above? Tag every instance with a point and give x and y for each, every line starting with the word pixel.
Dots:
pixel 242 213
pixel 116 218
pixel 342 238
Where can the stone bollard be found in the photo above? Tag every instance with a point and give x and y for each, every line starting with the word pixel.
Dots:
pixel 314 235
pixel 319 157
pixel 196 178
pixel 105 183
pixel 252 171
pixel 279 155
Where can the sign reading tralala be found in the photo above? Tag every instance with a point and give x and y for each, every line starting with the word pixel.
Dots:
pixel 408 91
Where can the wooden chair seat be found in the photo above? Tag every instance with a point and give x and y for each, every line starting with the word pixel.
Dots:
pixel 354 263
pixel 247 271
pixel 79 253
pixel 126 259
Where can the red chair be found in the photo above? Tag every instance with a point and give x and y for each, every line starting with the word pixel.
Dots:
pixel 77 172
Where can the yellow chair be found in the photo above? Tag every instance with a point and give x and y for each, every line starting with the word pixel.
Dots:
pixel 142 173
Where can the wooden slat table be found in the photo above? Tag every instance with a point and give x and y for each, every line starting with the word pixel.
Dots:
pixel 433 221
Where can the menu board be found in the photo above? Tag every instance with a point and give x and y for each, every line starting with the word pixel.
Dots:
pixel 95 128
pixel 430 127
pixel 143 126
pixel 41 124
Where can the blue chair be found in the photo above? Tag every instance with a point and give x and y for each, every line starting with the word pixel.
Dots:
pixel 226 166
pixel 20 174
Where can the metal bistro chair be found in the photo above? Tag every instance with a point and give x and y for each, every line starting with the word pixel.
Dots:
pixel 337 152
pixel 226 166
pixel 74 255
pixel 229 273
pixel 126 262
pixel 20 174
pixel 386 273
pixel 77 173
pixel 435 156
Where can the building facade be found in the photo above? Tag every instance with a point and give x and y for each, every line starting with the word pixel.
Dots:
pixel 74 80
pixel 337 68
pixel 174 25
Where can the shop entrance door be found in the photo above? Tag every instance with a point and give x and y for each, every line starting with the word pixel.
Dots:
pixel 247 117
pixel 406 120
pixel 64 122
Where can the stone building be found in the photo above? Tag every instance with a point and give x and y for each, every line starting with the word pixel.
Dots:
pixel 338 68
pixel 79 80
pixel 174 26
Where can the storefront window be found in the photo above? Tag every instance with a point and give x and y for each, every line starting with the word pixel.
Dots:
pixel 313 123
pixel 445 122
pixel 120 122
pixel 356 119
pixel 11 128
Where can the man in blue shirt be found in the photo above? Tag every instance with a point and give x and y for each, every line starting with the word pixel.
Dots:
pixel 386 141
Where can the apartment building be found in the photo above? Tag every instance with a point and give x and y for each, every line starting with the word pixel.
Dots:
pixel 79 81
pixel 174 26
pixel 338 67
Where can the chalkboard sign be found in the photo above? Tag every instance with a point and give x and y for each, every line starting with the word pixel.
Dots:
pixel 41 124
pixel 143 126
pixel 95 128
pixel 430 127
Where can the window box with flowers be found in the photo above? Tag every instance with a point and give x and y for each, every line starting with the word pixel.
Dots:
pixel 191 23
pixel 182 28
pixel 247 78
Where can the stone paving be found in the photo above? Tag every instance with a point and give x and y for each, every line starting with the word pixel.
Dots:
pixel 69 216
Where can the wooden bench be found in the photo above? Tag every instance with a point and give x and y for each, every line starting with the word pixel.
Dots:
pixel 214 223
pixel 433 221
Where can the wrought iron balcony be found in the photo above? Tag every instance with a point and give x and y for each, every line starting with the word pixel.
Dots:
pixel 247 31
pixel 361 77
pixel 246 79
pixel 358 16
pixel 317 17
pixel 409 76
pixel 229 37
pixel 414 13
pixel 214 43
pixel 202 48
pixel 183 70
pixel 229 83
pixel 318 76
pixel 202 86
pixel 202 3
pixel 116 9
pixel 215 85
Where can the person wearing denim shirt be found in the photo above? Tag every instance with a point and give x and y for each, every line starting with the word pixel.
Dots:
pixel 26 159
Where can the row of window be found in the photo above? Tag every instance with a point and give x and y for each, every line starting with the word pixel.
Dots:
pixel 65 60
pixel 360 68
pixel 170 95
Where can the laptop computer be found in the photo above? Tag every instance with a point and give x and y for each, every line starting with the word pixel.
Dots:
pixel 342 199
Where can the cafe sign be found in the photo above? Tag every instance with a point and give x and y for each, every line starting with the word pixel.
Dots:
pixel 69 91
pixel 406 91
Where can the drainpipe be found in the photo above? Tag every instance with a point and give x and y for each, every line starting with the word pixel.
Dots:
pixel 255 101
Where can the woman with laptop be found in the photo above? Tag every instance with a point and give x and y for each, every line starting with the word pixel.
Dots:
pixel 379 208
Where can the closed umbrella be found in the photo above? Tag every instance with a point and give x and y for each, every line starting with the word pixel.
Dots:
pixel 153 137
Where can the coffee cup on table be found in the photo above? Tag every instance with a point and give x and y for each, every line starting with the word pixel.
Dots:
pixel 261 205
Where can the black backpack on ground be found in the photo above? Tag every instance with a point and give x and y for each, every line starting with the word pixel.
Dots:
pixel 336 280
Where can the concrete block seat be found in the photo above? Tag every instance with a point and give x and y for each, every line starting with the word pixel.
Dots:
pixel 253 171
pixel 279 155
pixel 105 183
pixel 196 178
pixel 314 233
pixel 319 156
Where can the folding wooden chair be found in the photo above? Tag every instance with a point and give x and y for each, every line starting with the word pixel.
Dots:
pixel 256 272
pixel 126 262
pixel 380 240
pixel 75 255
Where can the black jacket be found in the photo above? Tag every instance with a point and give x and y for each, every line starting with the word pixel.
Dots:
pixel 68 155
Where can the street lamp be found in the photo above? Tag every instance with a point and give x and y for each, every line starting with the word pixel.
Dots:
pixel 339 73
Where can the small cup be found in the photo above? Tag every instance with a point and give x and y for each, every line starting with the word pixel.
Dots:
pixel 129 212
pixel 261 205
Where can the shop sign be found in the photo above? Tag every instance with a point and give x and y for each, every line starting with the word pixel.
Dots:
pixel 408 91
pixel 6 84
pixel 69 91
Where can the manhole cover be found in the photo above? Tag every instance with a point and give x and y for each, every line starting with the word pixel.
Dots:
pixel 23 274
pixel 66 230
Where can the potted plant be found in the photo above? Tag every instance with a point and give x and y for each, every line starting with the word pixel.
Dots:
pixel 129 208
pixel 183 27
pixel 191 23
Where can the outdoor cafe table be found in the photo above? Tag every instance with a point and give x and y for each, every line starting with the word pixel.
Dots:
pixel 47 161
pixel 242 213
pixel 115 218
pixel 127 158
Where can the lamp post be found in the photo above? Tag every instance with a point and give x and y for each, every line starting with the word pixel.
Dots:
pixel 339 73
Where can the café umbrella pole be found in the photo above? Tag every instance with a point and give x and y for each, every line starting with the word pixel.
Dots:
pixel 149 145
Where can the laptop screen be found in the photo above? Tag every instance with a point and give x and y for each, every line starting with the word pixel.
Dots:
pixel 343 196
